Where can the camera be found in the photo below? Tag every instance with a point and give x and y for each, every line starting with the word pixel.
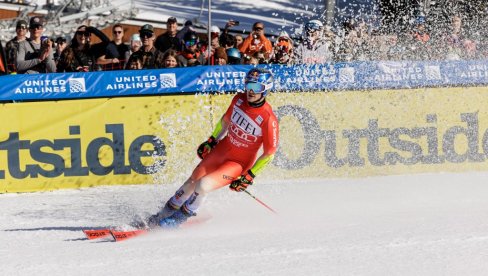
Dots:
pixel 44 39
pixel 236 23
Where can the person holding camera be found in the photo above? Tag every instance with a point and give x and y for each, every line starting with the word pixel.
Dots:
pixel 35 54
pixel 256 42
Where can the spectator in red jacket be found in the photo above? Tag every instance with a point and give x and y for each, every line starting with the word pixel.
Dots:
pixel 256 42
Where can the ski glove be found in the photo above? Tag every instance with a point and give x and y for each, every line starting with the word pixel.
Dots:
pixel 205 148
pixel 241 183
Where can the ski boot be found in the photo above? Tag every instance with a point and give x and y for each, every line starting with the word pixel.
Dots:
pixel 168 210
pixel 177 218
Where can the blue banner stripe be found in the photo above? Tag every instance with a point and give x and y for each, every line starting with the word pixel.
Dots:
pixel 324 77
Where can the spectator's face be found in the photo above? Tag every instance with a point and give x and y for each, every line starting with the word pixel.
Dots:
pixel 36 31
pixel 147 39
pixel 215 42
pixel 60 46
pixel 170 62
pixel 135 65
pixel 135 45
pixel 21 31
pixel 259 29
pixel 172 27
pixel 221 61
pixel 118 33
pixel 82 36
pixel 239 40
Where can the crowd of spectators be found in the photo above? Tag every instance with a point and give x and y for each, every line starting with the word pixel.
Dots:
pixel 30 52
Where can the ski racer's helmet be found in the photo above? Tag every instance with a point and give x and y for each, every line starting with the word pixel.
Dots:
pixel 259 80
pixel 233 56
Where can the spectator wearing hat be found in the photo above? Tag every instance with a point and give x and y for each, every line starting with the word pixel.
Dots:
pixel 135 43
pixel 283 49
pixel 116 52
pixel 60 46
pixel 220 56
pixel 186 29
pixel 256 41
pixel 79 56
pixel 169 40
pixel 152 57
pixel 191 55
pixel 12 46
pixel 35 56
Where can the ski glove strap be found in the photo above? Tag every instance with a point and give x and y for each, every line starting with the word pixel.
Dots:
pixel 242 182
pixel 205 148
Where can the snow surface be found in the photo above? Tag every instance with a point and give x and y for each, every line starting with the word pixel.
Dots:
pixel 429 224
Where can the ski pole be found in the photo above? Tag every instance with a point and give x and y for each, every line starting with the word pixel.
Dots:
pixel 262 203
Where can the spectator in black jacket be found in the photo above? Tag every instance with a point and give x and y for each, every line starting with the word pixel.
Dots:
pixel 152 57
pixel 169 40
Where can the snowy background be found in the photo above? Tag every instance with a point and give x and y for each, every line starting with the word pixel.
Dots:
pixel 430 224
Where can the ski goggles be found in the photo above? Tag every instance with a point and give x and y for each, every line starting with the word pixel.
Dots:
pixel 190 43
pixel 255 87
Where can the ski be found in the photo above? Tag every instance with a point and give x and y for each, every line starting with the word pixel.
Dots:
pixel 124 235
pixel 93 234
pixel 120 235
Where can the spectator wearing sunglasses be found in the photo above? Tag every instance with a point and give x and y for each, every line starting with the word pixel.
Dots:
pixel 60 46
pixel 116 52
pixel 169 40
pixel 256 42
pixel 79 56
pixel 192 55
pixel 12 46
pixel 35 55
pixel 152 57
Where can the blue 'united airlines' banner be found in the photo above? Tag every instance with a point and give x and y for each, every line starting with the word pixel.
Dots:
pixel 325 77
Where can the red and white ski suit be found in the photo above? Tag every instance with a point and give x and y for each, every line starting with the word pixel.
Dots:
pixel 244 130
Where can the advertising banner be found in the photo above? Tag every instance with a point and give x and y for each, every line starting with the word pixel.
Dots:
pixel 203 79
pixel 136 140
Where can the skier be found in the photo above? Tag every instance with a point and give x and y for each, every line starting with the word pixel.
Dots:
pixel 229 154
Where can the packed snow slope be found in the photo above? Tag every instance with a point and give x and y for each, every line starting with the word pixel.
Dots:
pixel 431 224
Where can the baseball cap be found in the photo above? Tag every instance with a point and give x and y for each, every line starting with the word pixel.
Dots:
pixel 60 40
pixel 35 21
pixel 147 28
pixel 21 23
pixel 171 20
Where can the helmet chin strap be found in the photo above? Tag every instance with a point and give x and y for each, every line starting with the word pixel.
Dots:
pixel 259 102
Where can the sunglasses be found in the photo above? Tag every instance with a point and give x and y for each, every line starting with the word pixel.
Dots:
pixel 258 29
pixel 257 88
pixel 38 27
pixel 148 35
pixel 190 43
pixel 83 33
pixel 21 28
pixel 117 32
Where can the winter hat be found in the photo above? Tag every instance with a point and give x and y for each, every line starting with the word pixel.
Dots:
pixel 135 37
